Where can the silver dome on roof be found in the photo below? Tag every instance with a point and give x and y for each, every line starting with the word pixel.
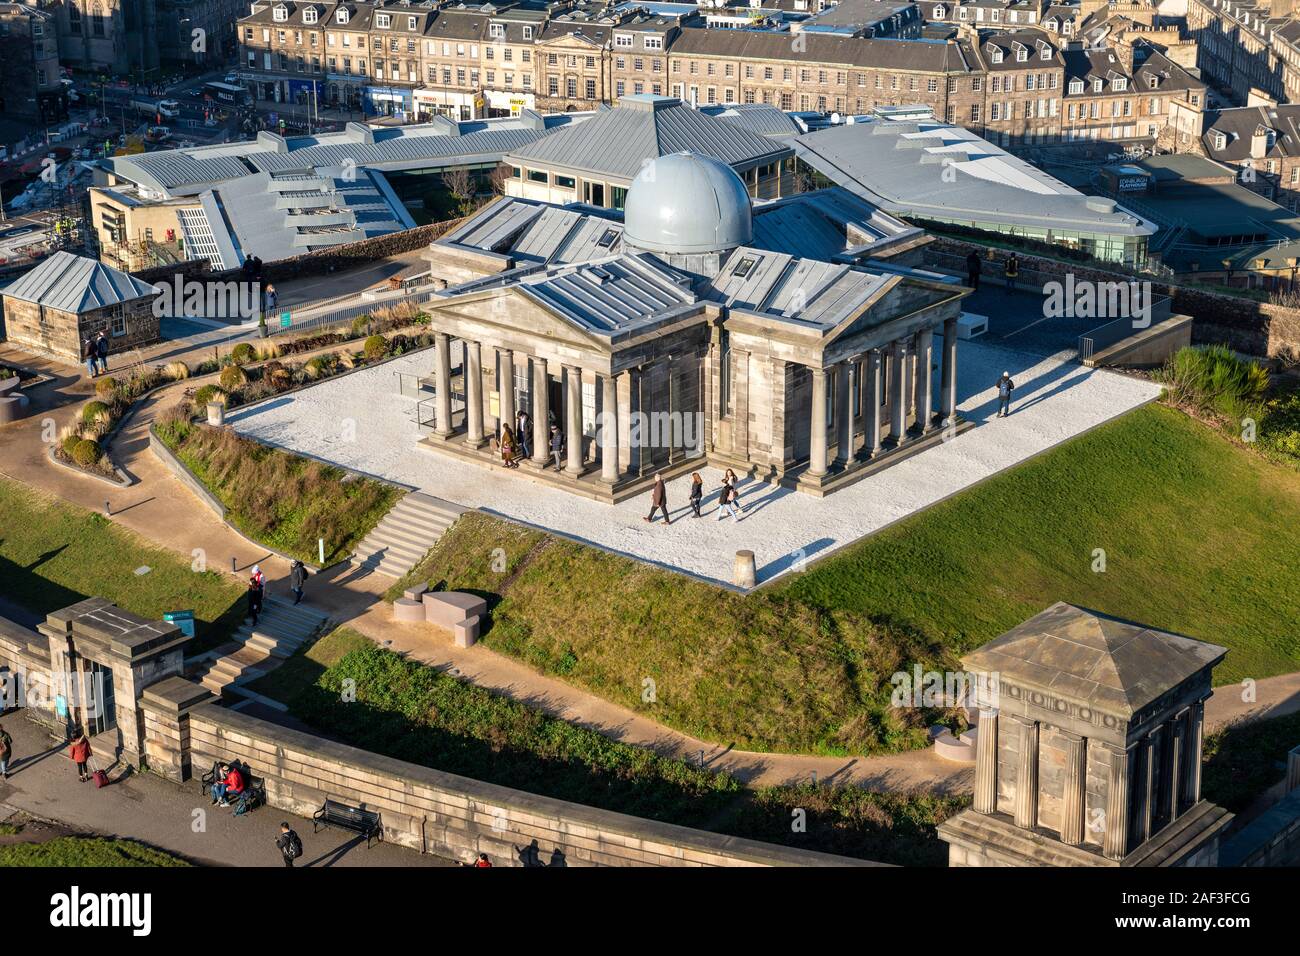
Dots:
pixel 684 203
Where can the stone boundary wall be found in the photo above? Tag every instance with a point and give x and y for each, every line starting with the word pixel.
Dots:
pixel 183 473
pixel 1250 327
pixel 1272 839
pixel 436 812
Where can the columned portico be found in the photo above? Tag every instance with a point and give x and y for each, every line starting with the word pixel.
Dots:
pixel 871 403
pixel 817 424
pixel 843 414
pixel 897 393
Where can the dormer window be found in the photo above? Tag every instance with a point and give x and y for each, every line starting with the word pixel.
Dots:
pixel 1022 54
pixel 1098 85
pixel 280 13
pixel 1076 86
pixel 1153 81
pixel 623 40
pixel 497 31
pixel 383 21
pixel 528 33
pixel 309 15
pixel 997 54
pixel 410 23
pixel 1220 141
pixel 1045 53
pixel 342 15
pixel 1119 84
pixel 940 12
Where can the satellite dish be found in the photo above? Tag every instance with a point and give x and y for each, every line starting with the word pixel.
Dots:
pixel 835 118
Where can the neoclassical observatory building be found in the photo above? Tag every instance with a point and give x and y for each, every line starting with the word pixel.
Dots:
pixel 792 340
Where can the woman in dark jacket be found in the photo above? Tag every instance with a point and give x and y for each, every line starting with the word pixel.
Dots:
pixel 697 492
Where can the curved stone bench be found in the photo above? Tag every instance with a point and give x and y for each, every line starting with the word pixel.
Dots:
pixel 957 749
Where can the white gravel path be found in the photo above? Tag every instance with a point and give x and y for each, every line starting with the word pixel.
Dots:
pixel 1055 399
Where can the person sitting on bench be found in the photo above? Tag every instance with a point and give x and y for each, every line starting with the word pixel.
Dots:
pixel 230 785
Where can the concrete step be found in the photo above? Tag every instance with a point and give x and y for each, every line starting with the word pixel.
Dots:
pixel 405 535
pixel 274 629
pixel 417 538
pixel 286 610
pixel 415 518
pixel 390 552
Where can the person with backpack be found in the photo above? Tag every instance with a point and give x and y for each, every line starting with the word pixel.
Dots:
pixel 1005 385
pixel 254 599
pixel 101 350
pixel 6 751
pixel 289 844
pixel 91 357
pixel 1012 271
pixel 81 754
pixel 297 578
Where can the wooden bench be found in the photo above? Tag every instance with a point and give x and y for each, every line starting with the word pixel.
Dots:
pixel 254 794
pixel 368 823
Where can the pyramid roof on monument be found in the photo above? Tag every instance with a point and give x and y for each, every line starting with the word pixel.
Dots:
pixel 1103 662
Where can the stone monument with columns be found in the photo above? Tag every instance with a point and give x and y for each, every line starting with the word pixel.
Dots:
pixel 1089 747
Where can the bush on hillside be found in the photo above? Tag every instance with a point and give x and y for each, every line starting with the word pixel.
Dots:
pixel 86 452
pixel 232 376
pixel 242 354
pixel 376 347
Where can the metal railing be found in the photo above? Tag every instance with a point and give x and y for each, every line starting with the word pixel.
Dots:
pixel 1104 336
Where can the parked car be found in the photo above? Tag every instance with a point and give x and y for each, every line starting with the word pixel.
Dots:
pixel 169 108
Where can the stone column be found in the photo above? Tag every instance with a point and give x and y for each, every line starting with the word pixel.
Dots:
pixel 843 415
pixel 573 382
pixel 442 384
pixel 636 437
pixel 897 386
pixel 1073 793
pixel 608 430
pixel 986 762
pixel 1195 737
pixel 506 386
pixel 473 395
pixel 1173 791
pixel 948 400
pixel 924 380
pixel 817 436
pixel 1026 815
pixel 1149 765
pixel 1115 840
pixel 541 413
pixel 871 408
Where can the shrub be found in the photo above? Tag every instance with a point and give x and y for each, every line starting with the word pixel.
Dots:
pixel 346 360
pixel 232 376
pixel 208 393
pixel 376 347
pixel 105 387
pixel 176 371
pixel 360 324
pixel 69 440
pixel 1214 379
pixel 242 354
pixel 317 367
pixel 277 376
pixel 268 350
pixel 85 452
pixel 95 412
pixel 207 367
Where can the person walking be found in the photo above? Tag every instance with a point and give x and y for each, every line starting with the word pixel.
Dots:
pixel 729 478
pixel 697 492
pixel 91 356
pixel 523 433
pixel 482 863
pixel 1005 385
pixel 508 448
pixel 297 578
pixel 101 351
pixel 288 843
pixel 973 266
pixel 271 297
pixel 1012 271
pixel 557 447
pixel 658 500
pixel 254 599
pixel 80 753
pixel 726 506
pixel 6 751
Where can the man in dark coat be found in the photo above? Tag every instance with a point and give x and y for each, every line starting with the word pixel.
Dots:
pixel 101 351
pixel 658 500
pixel 289 844
pixel 973 270
pixel 297 577
pixel 557 448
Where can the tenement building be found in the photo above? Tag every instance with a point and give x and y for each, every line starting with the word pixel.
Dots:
pixel 1089 747
pixel 791 341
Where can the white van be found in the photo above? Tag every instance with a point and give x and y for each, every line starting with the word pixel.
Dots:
pixel 169 108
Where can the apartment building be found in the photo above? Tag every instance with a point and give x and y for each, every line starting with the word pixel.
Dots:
pixel 1263 144
pixel 1246 45
pixel 1024 79
pixel 573 63
pixel 1113 98
pixel 639 56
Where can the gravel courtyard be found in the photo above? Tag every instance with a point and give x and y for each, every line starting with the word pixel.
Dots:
pixel 1055 399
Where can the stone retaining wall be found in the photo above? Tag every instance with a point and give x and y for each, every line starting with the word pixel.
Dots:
pixel 1272 839
pixel 1254 328
pixel 436 812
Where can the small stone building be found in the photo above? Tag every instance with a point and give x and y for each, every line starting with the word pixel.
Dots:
pixel 1088 747
pixel 67 298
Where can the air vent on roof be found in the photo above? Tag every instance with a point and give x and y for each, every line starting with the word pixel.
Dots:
pixel 600 275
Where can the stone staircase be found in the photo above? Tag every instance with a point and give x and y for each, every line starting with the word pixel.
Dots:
pixel 281 629
pixel 405 534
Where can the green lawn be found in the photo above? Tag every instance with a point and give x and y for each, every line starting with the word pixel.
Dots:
pixel 1201 537
pixel 85 851
pixel 412 712
pixel 53 554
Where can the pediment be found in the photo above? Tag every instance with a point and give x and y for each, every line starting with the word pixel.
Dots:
pixel 516 315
